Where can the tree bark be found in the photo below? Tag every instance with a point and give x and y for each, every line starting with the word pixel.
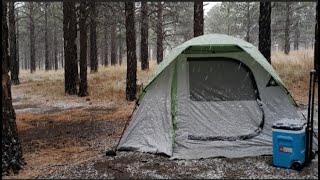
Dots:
pixel 316 44
pixel 198 18
pixel 17 44
pixel 120 44
pixel 55 42
pixel 14 65
pixel 12 158
pixel 287 30
pixel 296 37
pixel 32 39
pixel 93 38
pixel 106 37
pixel 159 33
pixel 144 36
pixel 46 44
pixel 265 30
pixel 106 46
pixel 26 59
pixel 247 38
pixel 70 47
pixel 131 87
pixel 228 18
pixel 113 57
pixel 62 56
pixel 83 86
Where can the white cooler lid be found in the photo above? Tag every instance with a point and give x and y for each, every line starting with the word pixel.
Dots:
pixel 289 124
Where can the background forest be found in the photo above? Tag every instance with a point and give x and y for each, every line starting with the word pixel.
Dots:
pixel 39 29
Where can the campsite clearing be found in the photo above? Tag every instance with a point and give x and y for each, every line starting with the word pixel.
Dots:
pixel 67 136
pixel 68 139
pixel 71 143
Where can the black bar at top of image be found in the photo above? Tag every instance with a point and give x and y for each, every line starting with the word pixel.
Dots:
pixel 161 1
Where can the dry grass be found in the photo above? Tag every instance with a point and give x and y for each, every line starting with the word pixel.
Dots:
pixel 107 84
pixel 294 70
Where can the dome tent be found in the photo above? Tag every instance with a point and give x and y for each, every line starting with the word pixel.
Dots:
pixel 214 95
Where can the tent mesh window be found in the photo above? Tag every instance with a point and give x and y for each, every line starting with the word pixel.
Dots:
pixel 220 79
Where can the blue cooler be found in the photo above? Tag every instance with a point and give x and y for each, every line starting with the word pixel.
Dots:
pixel 288 143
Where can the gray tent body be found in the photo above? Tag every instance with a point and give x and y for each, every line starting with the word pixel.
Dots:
pixel 214 95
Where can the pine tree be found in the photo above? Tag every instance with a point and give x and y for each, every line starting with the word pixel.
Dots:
pixel 93 38
pixel 83 85
pixel 14 65
pixel 198 18
pixel 11 147
pixel 265 30
pixel 131 87
pixel 159 32
pixel 70 47
pixel 144 36
pixel 316 44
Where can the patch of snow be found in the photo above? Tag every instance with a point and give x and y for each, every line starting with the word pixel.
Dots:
pixel 67 105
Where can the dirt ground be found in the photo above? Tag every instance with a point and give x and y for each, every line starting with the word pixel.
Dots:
pixel 67 137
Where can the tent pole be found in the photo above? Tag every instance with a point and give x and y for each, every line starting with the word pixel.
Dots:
pixel 309 128
pixel 308 120
pixel 113 152
pixel 127 122
pixel 311 116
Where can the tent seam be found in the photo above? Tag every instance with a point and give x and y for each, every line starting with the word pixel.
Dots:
pixel 174 103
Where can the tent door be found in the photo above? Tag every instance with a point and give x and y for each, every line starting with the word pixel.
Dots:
pixel 220 101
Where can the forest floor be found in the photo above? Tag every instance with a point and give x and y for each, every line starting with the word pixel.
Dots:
pixel 67 136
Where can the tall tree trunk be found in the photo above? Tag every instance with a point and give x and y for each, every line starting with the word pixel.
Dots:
pixel 113 57
pixel 17 44
pixel 83 86
pixel 25 56
pixel 120 44
pixel 62 56
pixel 46 44
pixel 316 44
pixel 296 37
pixel 138 39
pixel 159 33
pixel 144 36
pixel 32 39
pixel 198 18
pixel 265 30
pixel 11 147
pixel 14 65
pixel 287 30
pixel 70 47
pixel 106 39
pixel 247 38
pixel 106 48
pixel 25 62
pixel 39 63
pixel 55 42
pixel 228 18
pixel 131 88
pixel 88 48
pixel 93 38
